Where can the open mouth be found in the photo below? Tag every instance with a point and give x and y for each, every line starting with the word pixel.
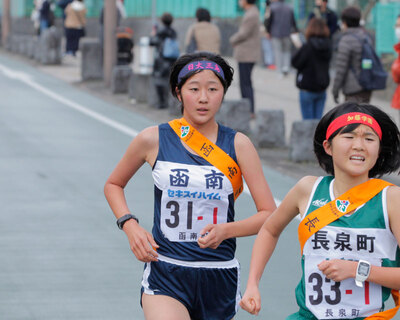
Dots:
pixel 357 158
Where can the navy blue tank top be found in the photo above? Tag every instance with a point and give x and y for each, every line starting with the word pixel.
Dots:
pixel 190 193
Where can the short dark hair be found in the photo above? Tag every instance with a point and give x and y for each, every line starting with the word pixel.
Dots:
pixel 167 19
pixel 251 1
pixel 202 55
pixel 351 16
pixel 389 154
pixel 203 14
pixel 317 27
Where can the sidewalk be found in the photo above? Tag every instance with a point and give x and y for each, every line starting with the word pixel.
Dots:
pixel 271 92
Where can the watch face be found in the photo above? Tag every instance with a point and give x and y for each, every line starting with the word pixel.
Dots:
pixel 363 269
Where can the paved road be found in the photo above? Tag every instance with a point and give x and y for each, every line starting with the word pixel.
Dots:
pixel 62 254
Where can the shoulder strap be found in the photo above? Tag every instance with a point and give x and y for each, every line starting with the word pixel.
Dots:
pixel 337 208
pixel 210 152
pixel 355 36
pixel 361 39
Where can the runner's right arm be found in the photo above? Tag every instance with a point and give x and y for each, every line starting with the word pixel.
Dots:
pixel 264 245
pixel 143 148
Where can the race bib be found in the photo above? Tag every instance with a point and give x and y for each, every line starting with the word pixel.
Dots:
pixel 327 299
pixel 193 197
pixel 183 219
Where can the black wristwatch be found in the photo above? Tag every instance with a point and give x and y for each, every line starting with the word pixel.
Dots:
pixel 121 221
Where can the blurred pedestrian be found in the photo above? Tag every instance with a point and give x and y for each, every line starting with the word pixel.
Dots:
pixel 75 22
pixel 348 59
pixel 197 165
pixel 125 45
pixel 162 64
pixel 396 67
pixel 203 35
pixel 247 48
pixel 322 11
pixel 312 64
pixel 268 52
pixel 45 16
pixel 281 25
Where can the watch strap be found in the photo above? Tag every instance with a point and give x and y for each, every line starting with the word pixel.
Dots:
pixel 121 221
pixel 359 283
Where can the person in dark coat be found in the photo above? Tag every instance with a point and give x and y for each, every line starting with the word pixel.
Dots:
pixel 162 65
pixel 322 10
pixel 348 58
pixel 45 16
pixel 312 64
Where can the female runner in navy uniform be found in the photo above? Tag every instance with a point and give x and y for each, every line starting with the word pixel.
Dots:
pixel 351 261
pixel 191 271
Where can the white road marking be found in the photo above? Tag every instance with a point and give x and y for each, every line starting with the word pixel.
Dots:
pixel 27 79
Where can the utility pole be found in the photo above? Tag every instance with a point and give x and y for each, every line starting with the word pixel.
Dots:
pixel 5 22
pixel 110 40
pixel 367 10
pixel 153 13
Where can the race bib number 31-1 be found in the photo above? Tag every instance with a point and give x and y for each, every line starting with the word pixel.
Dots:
pixel 182 220
pixel 192 197
pixel 328 299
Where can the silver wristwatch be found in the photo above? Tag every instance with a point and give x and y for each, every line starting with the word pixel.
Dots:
pixel 362 273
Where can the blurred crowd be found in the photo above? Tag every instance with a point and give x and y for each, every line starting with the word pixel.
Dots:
pixel 276 41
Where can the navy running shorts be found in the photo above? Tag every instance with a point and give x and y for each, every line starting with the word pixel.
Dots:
pixel 210 290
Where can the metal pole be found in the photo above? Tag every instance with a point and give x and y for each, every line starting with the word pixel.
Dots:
pixel 5 22
pixel 153 13
pixel 110 40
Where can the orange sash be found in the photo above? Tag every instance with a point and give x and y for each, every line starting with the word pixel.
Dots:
pixel 337 208
pixel 210 152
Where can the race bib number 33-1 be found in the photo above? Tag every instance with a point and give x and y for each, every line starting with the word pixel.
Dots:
pixel 328 299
